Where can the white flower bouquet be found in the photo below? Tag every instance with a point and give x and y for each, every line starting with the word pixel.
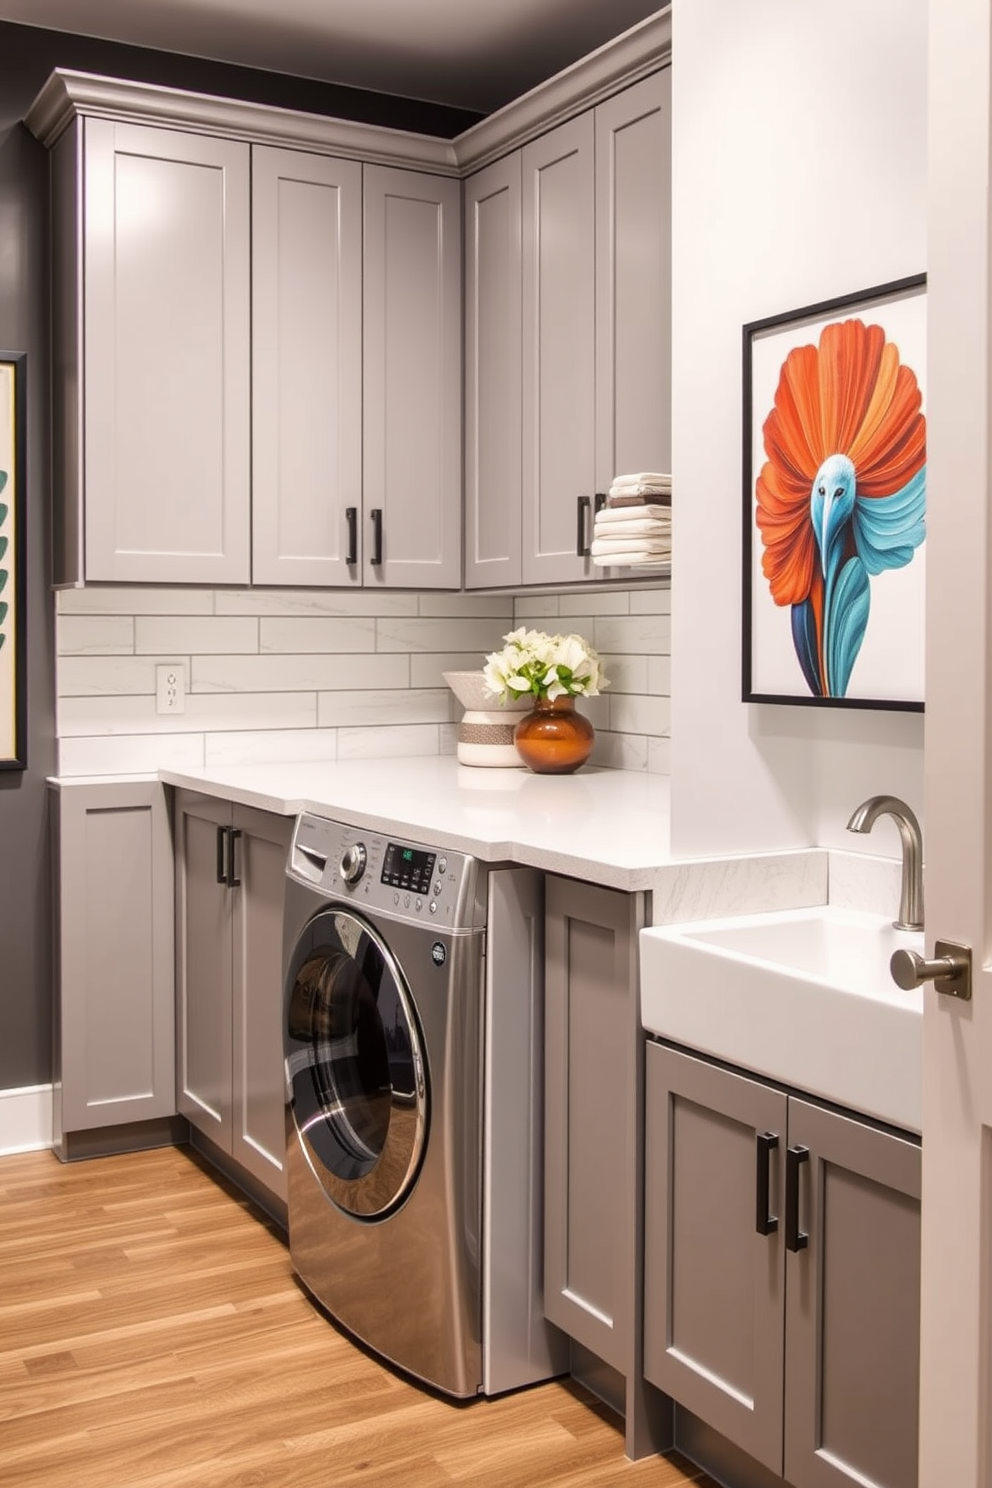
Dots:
pixel 547 666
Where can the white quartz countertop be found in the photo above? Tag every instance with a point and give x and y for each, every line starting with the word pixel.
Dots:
pixel 610 827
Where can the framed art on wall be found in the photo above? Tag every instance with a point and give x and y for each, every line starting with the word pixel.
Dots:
pixel 13 637
pixel 835 501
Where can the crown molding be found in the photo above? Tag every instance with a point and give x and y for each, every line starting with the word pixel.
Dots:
pixel 68 94
pixel 631 56
pixel 644 49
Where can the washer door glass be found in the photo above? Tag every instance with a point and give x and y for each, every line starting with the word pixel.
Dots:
pixel 355 1063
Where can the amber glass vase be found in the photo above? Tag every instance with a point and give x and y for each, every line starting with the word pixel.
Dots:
pixel 552 739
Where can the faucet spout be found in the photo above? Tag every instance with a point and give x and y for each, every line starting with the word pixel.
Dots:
pixel 911 836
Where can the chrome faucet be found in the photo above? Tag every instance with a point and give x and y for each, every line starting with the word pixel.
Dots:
pixel 911 897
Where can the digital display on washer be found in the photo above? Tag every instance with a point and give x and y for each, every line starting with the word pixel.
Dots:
pixel 408 868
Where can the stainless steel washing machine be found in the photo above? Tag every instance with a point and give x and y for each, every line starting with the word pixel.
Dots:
pixel 413 1138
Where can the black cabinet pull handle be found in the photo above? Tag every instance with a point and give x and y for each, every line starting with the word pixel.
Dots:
pixel 795 1238
pixel 233 833
pixel 764 1144
pixel 599 501
pixel 582 505
pixel 376 515
pixel 351 517
pixel 221 869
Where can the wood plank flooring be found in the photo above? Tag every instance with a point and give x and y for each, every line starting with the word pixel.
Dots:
pixel 152 1335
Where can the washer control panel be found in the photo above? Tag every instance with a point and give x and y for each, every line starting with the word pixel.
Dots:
pixel 406 880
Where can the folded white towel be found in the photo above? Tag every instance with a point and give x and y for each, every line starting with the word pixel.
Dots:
pixel 631 560
pixel 602 546
pixel 626 516
pixel 633 532
pixel 644 478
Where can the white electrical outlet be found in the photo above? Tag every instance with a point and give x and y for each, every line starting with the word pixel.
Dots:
pixel 170 688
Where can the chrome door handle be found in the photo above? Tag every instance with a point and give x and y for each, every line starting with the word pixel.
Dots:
pixel 950 970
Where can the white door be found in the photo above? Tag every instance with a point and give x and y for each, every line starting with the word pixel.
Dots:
pixel 955 1416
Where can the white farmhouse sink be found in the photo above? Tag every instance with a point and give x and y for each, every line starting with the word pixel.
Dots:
pixel 803 996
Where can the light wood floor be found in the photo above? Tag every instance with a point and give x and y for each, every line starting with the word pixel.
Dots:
pixel 152 1334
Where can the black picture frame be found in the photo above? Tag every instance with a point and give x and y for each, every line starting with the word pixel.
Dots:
pixel 770 673
pixel 13 549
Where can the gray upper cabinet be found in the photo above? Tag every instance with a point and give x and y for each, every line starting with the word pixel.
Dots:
pixel 493 369
pixel 151 306
pixel 412 379
pixel 306 368
pixel 568 334
pixel 559 340
pixel 782 1274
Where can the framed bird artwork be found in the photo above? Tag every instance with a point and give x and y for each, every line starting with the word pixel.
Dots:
pixel 835 471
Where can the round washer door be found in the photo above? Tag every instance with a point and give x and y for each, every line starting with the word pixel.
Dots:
pixel 355 1059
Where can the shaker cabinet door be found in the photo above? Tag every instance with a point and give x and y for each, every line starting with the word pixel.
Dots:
pixel 165 322
pixel 412 379
pixel 306 368
pixel 559 352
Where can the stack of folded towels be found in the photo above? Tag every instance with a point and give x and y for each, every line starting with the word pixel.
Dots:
pixel 635 525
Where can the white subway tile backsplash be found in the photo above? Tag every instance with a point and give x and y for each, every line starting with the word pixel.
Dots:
pixel 387 743
pixel 449 634
pixel 118 599
pixel 278 673
pixel 159 635
pixel 130 754
pixel 351 709
pixel 344 603
pixel 258 746
pixel 105 676
pixel 285 674
pixel 316 634
pixel 94 635
pixel 203 713
pixel 462 606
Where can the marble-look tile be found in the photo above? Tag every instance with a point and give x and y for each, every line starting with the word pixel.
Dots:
pixel 712 888
pixel 119 599
pixel 660 676
pixel 862 881
pixel 620 751
pixel 277 673
pixel 342 602
pixel 129 754
pixel 640 634
pixel 361 709
pixel 660 756
pixel 652 600
pixel 610 602
pixel 185 635
pixel 447 738
pixel 299 635
pixel 387 743
pixel 632 714
pixel 529 608
pixel 203 712
pixel 273 746
pixel 463 606
pixel 94 635
pixel 626 673
pixel 104 676
pixel 447 634
pixel 427 669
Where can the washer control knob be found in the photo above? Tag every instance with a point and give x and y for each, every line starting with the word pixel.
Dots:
pixel 352 864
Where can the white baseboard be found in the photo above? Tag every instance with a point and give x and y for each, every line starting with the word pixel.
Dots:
pixel 25 1119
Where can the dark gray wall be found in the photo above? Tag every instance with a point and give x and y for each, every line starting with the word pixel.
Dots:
pixel 27 56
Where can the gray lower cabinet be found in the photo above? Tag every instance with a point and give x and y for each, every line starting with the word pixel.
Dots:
pixel 230 880
pixel 114 1001
pixel 782 1272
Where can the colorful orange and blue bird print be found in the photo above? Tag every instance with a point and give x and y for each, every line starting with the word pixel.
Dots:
pixel 842 495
